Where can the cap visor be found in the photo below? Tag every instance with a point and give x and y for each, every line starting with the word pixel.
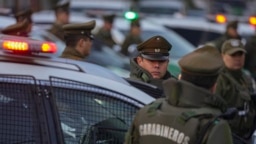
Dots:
pixel 155 57
pixel 232 51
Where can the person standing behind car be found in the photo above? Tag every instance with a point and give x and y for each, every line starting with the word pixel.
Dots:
pixel 230 33
pixel 250 59
pixel 189 113
pixel 104 33
pixel 18 29
pixel 78 39
pixel 132 38
pixel 62 17
pixel 24 15
pixel 151 64
pixel 234 86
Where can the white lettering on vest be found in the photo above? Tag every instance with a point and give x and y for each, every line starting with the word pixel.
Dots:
pixel 164 131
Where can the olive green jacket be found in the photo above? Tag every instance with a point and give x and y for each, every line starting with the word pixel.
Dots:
pixel 180 118
pixel 105 37
pixel 235 88
pixel 250 58
pixel 72 53
pixel 57 30
pixel 140 74
pixel 129 40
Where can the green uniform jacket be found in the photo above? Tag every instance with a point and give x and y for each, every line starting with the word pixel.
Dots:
pixel 129 40
pixel 140 74
pixel 234 87
pixel 105 37
pixel 72 53
pixel 219 41
pixel 57 30
pixel 180 117
pixel 250 58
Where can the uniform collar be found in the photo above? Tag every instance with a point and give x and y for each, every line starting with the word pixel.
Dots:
pixel 72 53
pixel 185 94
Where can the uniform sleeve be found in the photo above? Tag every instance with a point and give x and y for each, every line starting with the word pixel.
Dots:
pixel 132 136
pixel 220 134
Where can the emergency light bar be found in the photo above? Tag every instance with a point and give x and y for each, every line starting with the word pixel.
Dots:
pixel 26 45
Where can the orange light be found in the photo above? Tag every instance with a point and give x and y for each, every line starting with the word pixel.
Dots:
pixel 252 20
pixel 48 48
pixel 220 18
pixel 15 46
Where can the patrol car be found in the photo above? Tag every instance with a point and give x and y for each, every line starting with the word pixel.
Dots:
pixel 56 101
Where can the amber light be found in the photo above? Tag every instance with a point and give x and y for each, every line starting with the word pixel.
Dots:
pixel 252 20
pixel 48 48
pixel 15 46
pixel 220 18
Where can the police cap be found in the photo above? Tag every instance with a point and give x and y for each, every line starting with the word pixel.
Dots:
pixel 79 29
pixel 155 48
pixel 24 14
pixel 62 6
pixel 233 24
pixel 204 61
pixel 232 46
pixel 16 29
pixel 135 23
pixel 109 18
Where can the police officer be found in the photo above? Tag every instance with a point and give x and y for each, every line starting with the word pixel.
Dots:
pixel 250 59
pixel 22 15
pixel 151 64
pixel 78 39
pixel 62 17
pixel 104 33
pixel 230 33
pixel 236 88
pixel 188 113
pixel 18 29
pixel 132 38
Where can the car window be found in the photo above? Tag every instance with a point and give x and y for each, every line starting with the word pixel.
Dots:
pixel 196 36
pixel 19 121
pixel 90 114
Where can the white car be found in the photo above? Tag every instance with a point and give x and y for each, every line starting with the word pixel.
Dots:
pixel 54 100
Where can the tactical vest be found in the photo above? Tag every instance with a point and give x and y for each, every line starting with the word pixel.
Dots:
pixel 244 123
pixel 164 123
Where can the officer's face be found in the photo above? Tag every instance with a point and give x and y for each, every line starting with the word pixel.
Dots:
pixel 63 17
pixel 156 68
pixel 85 45
pixel 232 33
pixel 234 61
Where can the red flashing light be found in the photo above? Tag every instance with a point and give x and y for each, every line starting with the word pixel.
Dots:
pixel 252 20
pixel 15 46
pixel 48 48
pixel 220 18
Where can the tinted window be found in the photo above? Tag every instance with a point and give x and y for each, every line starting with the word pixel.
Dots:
pixel 91 114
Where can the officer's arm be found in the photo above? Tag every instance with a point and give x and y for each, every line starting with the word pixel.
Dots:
pixel 132 136
pixel 220 133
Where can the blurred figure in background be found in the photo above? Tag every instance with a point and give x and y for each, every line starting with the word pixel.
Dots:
pixel 78 40
pixel 62 17
pixel 132 38
pixel 104 33
pixel 151 63
pixel 231 33
pixel 26 15
pixel 250 59
pixel 21 28
pixel 234 86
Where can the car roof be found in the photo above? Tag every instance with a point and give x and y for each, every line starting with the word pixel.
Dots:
pixel 199 23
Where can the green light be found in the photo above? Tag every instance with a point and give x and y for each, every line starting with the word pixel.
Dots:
pixel 130 15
